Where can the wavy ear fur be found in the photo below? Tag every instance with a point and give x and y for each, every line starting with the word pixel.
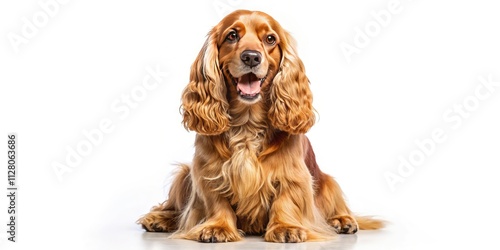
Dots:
pixel 291 107
pixel 204 104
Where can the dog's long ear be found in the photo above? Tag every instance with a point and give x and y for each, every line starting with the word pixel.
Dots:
pixel 291 99
pixel 204 104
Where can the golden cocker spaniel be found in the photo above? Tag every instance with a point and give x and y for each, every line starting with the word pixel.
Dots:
pixel 254 170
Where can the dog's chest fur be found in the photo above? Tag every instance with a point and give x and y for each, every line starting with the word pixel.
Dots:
pixel 249 191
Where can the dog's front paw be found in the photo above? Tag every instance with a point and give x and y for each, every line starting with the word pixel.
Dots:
pixel 344 224
pixel 213 234
pixel 285 234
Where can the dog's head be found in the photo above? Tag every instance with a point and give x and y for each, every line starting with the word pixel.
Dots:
pixel 247 58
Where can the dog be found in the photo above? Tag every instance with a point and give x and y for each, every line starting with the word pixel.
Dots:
pixel 254 171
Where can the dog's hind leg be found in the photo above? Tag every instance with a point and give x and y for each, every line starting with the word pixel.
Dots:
pixel 330 200
pixel 165 216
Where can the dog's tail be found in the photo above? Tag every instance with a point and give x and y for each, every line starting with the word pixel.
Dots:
pixel 369 223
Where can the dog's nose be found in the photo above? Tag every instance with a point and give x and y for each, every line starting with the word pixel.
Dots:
pixel 251 58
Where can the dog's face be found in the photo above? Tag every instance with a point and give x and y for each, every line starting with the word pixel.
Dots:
pixel 248 60
pixel 249 53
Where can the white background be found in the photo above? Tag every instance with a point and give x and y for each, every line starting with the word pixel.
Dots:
pixel 89 54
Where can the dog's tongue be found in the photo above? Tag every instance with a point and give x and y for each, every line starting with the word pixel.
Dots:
pixel 249 84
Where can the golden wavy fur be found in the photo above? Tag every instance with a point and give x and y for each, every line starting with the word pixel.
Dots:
pixel 254 170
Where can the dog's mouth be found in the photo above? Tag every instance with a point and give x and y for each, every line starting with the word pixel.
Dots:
pixel 248 86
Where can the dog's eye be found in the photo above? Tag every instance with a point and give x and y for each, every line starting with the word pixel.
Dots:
pixel 270 39
pixel 232 36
